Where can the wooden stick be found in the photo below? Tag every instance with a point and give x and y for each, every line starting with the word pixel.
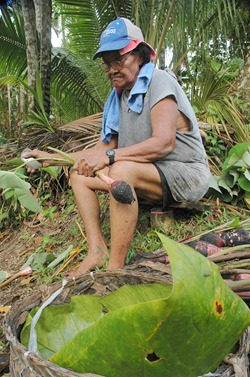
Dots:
pixel 26 271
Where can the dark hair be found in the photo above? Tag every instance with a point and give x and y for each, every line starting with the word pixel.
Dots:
pixel 144 52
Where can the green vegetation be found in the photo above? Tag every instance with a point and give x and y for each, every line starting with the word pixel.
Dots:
pixel 233 185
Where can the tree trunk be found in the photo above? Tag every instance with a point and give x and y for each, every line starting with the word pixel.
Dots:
pixel 43 24
pixel 29 17
pixel 37 22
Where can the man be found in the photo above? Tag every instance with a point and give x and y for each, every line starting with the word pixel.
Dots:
pixel 150 139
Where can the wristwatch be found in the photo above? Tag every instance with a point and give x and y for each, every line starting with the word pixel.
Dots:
pixel 111 155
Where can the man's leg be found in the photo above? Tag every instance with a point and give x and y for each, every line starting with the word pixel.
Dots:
pixel 123 220
pixel 89 210
pixel 143 179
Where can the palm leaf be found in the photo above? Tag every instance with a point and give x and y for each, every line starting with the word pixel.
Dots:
pixel 76 84
pixel 79 88
pixel 216 106
pixel 86 130
pixel 12 40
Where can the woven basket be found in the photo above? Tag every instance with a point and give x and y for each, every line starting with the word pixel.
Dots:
pixel 26 364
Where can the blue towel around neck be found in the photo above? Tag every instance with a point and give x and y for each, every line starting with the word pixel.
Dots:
pixel 111 112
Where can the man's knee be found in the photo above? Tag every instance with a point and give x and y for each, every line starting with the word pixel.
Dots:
pixel 134 172
pixel 122 170
pixel 75 178
pixel 80 182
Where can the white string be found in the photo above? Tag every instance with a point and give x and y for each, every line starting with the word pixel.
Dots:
pixel 32 347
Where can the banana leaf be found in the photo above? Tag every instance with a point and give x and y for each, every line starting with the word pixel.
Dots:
pixel 185 331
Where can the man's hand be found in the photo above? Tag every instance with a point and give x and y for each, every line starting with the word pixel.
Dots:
pixel 33 165
pixel 90 161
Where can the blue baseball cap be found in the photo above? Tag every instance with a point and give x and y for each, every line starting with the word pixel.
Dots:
pixel 117 35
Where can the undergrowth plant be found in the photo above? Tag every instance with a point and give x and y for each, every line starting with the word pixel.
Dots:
pixel 23 196
pixel 233 185
pixel 214 103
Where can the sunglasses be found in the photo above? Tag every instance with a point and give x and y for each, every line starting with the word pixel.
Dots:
pixel 116 64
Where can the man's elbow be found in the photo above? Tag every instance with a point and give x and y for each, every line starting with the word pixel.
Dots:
pixel 166 150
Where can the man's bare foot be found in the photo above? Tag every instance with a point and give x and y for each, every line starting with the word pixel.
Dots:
pixel 89 263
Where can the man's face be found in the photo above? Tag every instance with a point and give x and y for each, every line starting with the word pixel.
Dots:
pixel 122 70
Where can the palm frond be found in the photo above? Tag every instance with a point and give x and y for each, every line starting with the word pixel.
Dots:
pixel 85 22
pixel 195 30
pixel 12 41
pixel 216 105
pixel 196 23
pixel 86 130
pixel 77 85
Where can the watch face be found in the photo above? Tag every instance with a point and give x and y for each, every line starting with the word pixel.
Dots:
pixel 110 152
pixel 111 155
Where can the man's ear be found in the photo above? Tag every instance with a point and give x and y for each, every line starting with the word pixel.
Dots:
pixel 140 60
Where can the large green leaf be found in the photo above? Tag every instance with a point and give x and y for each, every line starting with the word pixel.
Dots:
pixel 82 312
pixel 133 295
pixel 238 156
pixel 10 180
pixel 185 334
pixel 27 200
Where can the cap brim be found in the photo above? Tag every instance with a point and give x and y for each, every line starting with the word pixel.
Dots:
pixel 133 44
pixel 112 46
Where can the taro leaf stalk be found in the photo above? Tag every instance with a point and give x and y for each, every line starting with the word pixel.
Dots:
pixel 120 190
pixel 23 272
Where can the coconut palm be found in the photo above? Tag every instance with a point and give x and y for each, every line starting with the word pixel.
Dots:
pixel 182 26
pixel 37 26
pixel 75 82
pixel 193 31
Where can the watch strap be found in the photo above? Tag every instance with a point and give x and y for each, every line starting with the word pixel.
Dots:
pixel 111 155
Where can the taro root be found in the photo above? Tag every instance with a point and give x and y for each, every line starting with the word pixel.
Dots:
pixel 228 238
pixel 120 190
pixel 30 161
pixel 236 237
pixel 213 238
pixel 204 247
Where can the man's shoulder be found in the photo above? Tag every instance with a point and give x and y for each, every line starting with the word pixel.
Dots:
pixel 165 75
